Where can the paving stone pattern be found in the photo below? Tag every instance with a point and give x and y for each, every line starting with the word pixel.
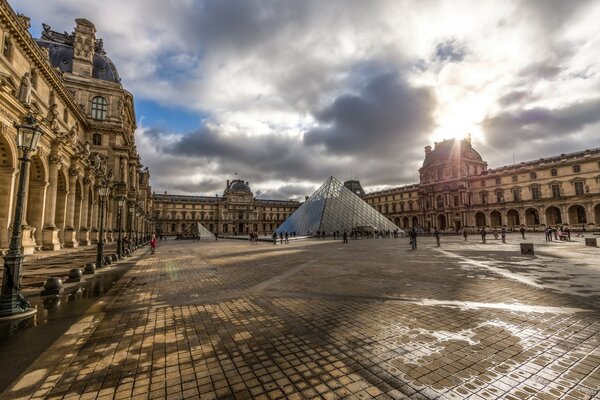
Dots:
pixel 323 320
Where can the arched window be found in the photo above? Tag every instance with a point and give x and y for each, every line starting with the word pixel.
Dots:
pixel 99 108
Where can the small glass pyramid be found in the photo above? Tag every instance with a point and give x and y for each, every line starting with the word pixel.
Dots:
pixel 333 207
pixel 203 233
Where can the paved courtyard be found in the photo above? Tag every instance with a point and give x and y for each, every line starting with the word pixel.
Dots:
pixel 325 320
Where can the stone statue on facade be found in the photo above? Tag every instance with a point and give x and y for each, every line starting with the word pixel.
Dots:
pixel 74 133
pixel 24 94
pixel 86 150
pixel 52 117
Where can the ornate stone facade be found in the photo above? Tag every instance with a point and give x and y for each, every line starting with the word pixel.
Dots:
pixel 237 211
pixel 75 94
pixel 457 190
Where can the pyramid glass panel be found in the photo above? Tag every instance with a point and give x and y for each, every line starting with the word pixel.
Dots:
pixel 203 233
pixel 333 207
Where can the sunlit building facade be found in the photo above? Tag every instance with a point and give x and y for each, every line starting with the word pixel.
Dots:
pixel 66 81
pixel 458 190
pixel 237 211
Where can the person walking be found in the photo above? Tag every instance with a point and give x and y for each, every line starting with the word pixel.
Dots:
pixel 153 244
pixel 483 233
pixel 413 238
pixel 274 236
pixel 280 237
pixel 345 237
pixel 286 238
pixel 522 230
pixel 465 234
pixel 503 234
pixel 436 233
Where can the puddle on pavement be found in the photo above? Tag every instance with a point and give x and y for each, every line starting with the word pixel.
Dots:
pixel 73 302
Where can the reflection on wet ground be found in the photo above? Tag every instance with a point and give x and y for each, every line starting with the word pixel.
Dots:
pixel 54 314
pixel 320 319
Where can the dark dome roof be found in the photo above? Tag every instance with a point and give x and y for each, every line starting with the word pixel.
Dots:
pixel 61 56
pixel 239 185
pixel 451 149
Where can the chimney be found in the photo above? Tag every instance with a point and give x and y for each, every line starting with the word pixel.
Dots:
pixel 427 150
pixel 227 182
pixel 85 41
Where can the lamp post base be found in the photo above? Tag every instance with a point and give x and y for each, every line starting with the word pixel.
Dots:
pixel 27 313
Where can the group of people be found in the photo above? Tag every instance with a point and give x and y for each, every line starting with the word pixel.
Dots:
pixel 283 238
pixel 559 233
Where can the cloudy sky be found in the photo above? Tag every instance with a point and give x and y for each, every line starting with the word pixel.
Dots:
pixel 287 93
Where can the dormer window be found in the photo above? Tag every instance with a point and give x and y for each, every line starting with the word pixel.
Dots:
pixel 99 108
pixel 533 175
pixel 553 172
pixel 576 169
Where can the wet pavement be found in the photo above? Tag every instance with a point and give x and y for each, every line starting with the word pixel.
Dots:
pixel 320 319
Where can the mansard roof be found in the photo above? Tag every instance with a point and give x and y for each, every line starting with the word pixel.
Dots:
pixel 61 51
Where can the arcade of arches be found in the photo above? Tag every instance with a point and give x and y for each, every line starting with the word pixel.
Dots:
pixel 457 190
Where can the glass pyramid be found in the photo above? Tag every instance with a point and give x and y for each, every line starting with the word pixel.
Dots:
pixel 334 207
pixel 203 233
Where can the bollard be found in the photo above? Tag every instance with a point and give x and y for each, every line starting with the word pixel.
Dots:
pixel 114 257
pixel 53 285
pixel 591 242
pixel 75 275
pixel 107 260
pixel 527 249
pixel 89 268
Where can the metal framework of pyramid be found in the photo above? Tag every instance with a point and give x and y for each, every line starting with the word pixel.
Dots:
pixel 203 233
pixel 334 207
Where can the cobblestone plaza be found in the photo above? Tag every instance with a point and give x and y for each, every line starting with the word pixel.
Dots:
pixel 324 320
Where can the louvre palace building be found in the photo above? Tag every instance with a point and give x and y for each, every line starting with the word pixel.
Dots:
pixel 237 211
pixel 457 190
pixel 69 85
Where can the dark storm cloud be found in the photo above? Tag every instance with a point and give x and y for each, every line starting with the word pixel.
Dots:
pixel 514 97
pixel 540 124
pixel 449 51
pixel 381 118
pixel 553 14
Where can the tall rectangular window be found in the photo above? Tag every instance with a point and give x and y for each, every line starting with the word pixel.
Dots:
pixel 556 191
pixel 455 201
pixel 483 198
pixel 517 195
pixel 535 193
pixel 578 188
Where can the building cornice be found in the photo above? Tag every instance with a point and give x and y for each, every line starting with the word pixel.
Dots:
pixel 31 49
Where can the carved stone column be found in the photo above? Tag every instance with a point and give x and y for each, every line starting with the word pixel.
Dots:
pixel 84 231
pixel 70 233
pixel 7 199
pixel 50 239
pixel 94 220
pixel 27 239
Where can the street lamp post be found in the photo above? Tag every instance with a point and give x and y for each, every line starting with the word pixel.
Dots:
pixel 12 302
pixel 120 203
pixel 102 193
pixel 137 228
pixel 131 211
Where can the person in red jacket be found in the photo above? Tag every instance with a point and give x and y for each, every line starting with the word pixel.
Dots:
pixel 153 243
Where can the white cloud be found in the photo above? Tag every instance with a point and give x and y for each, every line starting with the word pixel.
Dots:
pixel 269 69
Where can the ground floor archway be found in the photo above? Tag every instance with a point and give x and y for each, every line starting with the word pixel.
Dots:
pixel 577 215
pixel 480 219
pixel 532 217
pixel 513 219
pixel 495 218
pixel 441 222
